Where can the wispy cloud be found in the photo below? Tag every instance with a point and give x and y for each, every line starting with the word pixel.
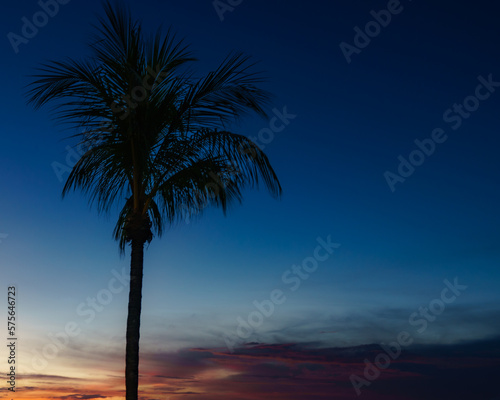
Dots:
pixel 291 371
pixel 81 397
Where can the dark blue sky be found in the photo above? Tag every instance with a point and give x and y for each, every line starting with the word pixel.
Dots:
pixel 401 233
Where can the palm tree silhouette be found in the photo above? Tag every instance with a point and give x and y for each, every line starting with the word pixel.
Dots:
pixel 155 138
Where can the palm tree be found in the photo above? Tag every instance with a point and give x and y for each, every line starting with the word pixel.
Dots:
pixel 156 138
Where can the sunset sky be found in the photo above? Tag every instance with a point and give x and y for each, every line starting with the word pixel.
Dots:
pixel 386 146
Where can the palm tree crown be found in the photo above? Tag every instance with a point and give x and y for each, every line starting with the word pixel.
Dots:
pixel 154 133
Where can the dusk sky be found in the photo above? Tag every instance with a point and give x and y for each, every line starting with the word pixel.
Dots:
pixel 384 134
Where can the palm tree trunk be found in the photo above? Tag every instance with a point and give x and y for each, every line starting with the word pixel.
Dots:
pixel 134 321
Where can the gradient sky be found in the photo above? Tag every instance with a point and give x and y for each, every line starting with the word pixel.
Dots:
pixel 352 121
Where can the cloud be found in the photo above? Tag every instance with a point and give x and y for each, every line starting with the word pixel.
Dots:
pixel 51 378
pixel 80 397
pixel 350 328
pixel 297 371
pixel 294 371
